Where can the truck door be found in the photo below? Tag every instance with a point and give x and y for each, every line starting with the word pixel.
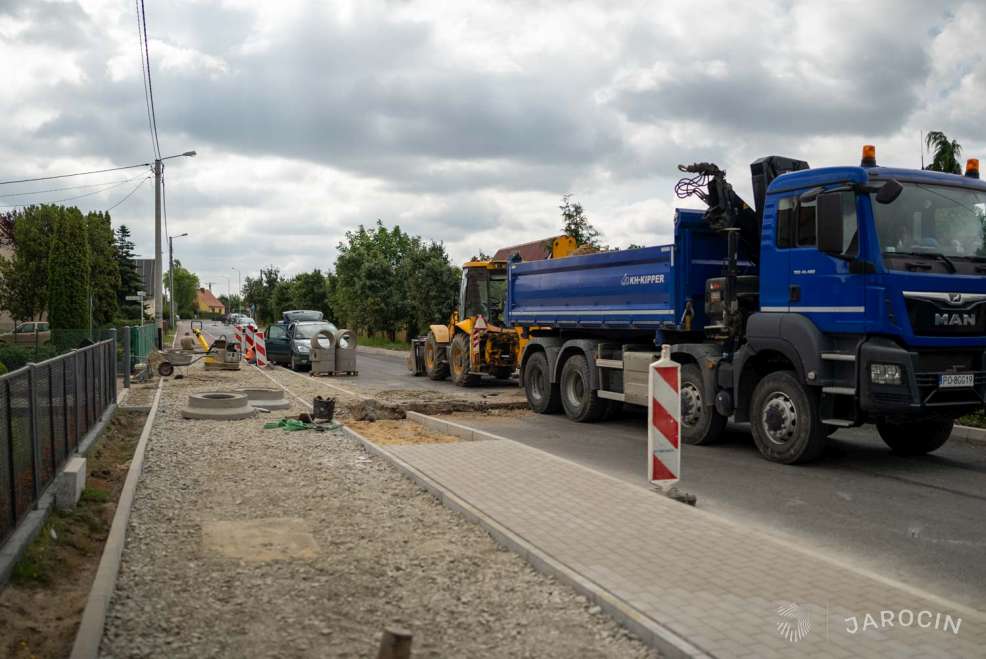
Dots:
pixel 826 237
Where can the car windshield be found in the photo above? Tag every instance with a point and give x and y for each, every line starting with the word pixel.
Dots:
pixel 933 219
pixel 246 320
pixel 308 330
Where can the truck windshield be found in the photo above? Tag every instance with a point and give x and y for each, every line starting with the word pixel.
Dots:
pixel 933 220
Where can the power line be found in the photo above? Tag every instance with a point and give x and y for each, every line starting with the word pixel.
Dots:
pixel 129 194
pixel 68 187
pixel 143 73
pixel 94 171
pixel 88 194
pixel 150 86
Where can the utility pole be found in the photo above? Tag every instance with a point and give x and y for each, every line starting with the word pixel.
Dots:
pixel 158 275
pixel 239 290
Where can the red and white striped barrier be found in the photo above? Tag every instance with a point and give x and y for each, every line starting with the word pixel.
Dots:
pixel 249 332
pixel 238 337
pixel 664 420
pixel 260 345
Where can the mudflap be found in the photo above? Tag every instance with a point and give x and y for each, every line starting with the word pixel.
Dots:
pixel 416 356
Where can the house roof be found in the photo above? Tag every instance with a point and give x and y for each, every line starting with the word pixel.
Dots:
pixel 208 300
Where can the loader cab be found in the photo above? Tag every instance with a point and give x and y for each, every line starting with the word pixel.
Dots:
pixel 483 291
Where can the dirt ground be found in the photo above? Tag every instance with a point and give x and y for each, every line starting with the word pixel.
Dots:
pixel 399 432
pixel 245 542
pixel 40 609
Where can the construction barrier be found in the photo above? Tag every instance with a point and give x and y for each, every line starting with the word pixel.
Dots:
pixel 664 420
pixel 249 352
pixel 261 347
pixel 238 337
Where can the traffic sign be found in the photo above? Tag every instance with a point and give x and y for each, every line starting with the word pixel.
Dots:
pixel 135 298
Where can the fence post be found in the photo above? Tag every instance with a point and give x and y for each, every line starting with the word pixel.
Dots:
pixel 10 454
pixel 112 357
pixel 35 443
pixel 78 400
pixel 126 357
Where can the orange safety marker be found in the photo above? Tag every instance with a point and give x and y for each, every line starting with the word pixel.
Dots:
pixel 261 346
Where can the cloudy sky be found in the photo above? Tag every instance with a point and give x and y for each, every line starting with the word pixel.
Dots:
pixel 463 122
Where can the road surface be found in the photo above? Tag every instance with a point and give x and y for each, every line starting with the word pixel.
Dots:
pixel 919 520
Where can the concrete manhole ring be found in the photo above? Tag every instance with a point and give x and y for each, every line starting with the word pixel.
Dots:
pixel 218 405
pixel 269 399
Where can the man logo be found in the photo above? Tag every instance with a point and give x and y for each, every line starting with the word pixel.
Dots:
pixel 794 623
pixel 955 320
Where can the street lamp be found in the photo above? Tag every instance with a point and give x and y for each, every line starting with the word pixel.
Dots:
pixel 239 291
pixel 158 293
pixel 171 274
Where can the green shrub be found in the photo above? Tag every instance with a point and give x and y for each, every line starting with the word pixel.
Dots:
pixel 14 356
pixel 3 369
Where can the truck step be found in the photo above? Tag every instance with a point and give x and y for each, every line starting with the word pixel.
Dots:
pixel 611 395
pixel 839 391
pixel 842 423
pixel 609 363
pixel 838 356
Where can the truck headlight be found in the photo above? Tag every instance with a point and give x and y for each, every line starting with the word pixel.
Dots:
pixel 885 373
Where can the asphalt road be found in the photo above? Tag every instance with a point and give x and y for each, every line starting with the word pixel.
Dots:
pixel 921 521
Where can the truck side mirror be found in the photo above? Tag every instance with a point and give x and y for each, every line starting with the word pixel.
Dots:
pixel 830 229
pixel 889 192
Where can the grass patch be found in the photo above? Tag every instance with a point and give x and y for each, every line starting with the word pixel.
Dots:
pixel 383 342
pixel 976 420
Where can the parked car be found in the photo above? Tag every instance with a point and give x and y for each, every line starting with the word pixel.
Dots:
pixel 289 343
pixel 28 333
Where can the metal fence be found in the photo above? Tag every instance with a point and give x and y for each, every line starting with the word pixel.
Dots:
pixel 45 411
pixel 143 341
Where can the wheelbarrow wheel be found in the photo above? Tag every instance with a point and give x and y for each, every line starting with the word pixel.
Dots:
pixel 165 369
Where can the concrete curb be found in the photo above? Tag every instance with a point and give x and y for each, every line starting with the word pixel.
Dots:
pixel 650 631
pixel 450 427
pixel 90 633
pixel 969 434
pixel 381 351
pixel 15 546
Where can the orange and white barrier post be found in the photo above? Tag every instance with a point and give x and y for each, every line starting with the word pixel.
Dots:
pixel 261 347
pixel 664 421
pixel 238 337
pixel 248 335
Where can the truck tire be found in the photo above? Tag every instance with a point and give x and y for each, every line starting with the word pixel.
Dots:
pixel 784 419
pixel 542 394
pixel 916 437
pixel 436 367
pixel 458 361
pixel 577 397
pixel 701 424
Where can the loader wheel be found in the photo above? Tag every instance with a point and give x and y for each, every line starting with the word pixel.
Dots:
pixel 458 361
pixel 577 397
pixel 542 394
pixel 436 365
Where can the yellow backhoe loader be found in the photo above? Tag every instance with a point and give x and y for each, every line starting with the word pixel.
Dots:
pixel 475 341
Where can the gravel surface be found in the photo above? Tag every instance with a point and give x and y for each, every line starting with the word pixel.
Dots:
pixel 246 542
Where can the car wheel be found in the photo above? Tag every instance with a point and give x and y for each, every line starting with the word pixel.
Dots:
pixel 784 420
pixel 701 424
pixel 577 397
pixel 542 394
pixel 916 438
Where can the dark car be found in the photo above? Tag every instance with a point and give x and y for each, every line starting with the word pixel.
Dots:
pixel 289 343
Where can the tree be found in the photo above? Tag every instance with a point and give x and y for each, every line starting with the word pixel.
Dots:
pixel 257 292
pixel 576 224
pixel 104 269
pixel 311 291
pixel 946 153
pixel 432 285
pixel 281 299
pixel 68 273
pixel 186 290
pixel 130 281
pixel 24 276
pixel 231 302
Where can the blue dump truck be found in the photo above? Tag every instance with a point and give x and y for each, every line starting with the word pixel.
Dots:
pixel 846 295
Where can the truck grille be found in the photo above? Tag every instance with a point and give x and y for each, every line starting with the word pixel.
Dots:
pixel 931 319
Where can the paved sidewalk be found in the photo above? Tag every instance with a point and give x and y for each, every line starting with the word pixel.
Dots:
pixel 729 590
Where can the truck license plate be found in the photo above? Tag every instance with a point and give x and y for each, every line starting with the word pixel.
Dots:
pixel 955 380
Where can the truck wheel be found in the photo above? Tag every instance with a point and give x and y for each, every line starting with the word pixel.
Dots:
pixel 701 424
pixel 458 360
pixel 916 437
pixel 542 395
pixel 577 397
pixel 436 368
pixel 784 420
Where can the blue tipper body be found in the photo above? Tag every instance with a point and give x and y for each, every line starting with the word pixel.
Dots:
pixel 643 288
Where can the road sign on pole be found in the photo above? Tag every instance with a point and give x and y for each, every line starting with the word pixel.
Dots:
pixel 135 298
pixel 664 420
